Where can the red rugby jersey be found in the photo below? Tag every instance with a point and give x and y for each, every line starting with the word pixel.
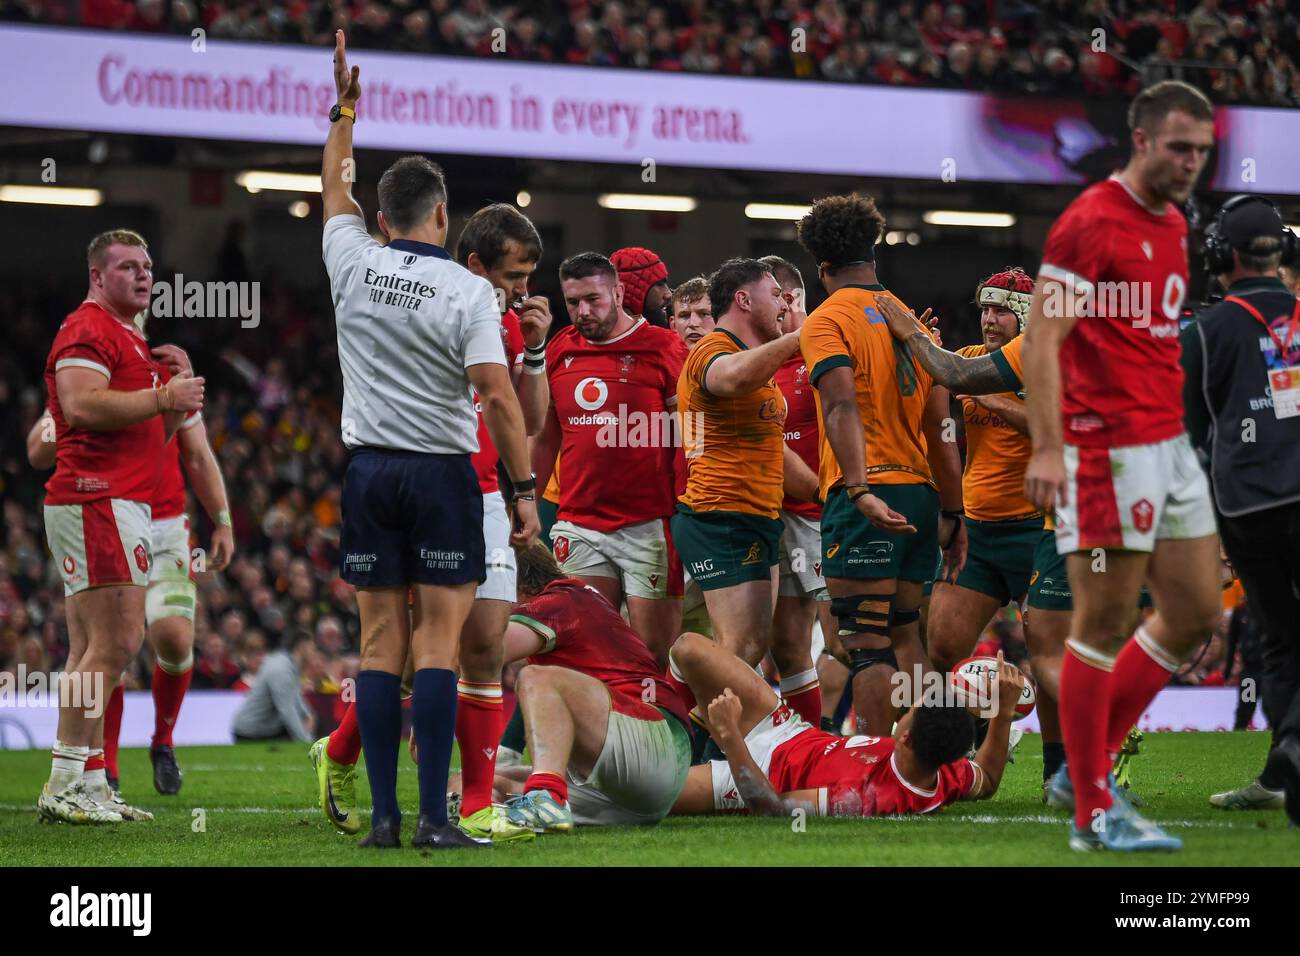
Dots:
pixel 485 459
pixel 802 432
pixel 122 463
pixel 614 401
pixel 1120 373
pixel 169 495
pixel 860 775
pixel 584 633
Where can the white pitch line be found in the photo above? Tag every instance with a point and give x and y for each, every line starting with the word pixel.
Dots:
pixel 982 819
pixel 1045 819
pixel 222 768
pixel 31 808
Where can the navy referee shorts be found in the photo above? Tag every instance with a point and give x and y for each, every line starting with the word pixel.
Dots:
pixel 411 518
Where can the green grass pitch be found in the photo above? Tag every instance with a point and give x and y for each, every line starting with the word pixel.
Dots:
pixel 258 804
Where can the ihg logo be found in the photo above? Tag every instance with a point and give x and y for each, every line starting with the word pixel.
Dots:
pixel 76 909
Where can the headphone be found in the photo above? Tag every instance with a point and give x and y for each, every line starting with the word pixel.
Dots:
pixel 1218 251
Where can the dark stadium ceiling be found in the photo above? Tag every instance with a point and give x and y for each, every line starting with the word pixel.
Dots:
pixel 83 157
pixel 91 159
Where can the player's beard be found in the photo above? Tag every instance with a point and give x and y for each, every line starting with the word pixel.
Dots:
pixel 995 337
pixel 771 329
pixel 598 330
pixel 657 316
pixel 1171 192
pixel 1163 183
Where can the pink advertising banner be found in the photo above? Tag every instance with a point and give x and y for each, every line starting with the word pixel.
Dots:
pixel 176 86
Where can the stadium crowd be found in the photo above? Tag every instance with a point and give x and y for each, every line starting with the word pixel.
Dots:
pixel 1245 51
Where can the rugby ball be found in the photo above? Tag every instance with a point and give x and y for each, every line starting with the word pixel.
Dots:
pixel 975 673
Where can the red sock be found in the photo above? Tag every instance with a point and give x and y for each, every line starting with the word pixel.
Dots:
pixel 479 722
pixel 345 742
pixel 552 783
pixel 112 729
pixel 804 694
pixel 95 762
pixel 1142 669
pixel 1085 699
pixel 168 692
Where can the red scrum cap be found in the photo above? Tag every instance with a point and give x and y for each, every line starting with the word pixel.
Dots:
pixel 638 270
pixel 1012 288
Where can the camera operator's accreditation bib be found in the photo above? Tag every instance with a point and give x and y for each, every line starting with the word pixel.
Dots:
pixel 1283 383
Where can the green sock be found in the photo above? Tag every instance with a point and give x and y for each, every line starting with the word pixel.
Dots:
pixel 513 736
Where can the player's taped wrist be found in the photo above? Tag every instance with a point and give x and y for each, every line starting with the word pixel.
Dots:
pixel 535 359
pixel 857 490
pixel 223 519
pixel 956 516
pixel 165 398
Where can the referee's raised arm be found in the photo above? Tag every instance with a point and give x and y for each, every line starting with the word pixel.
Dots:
pixel 415 331
pixel 338 169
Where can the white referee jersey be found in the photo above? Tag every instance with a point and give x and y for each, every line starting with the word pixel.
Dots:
pixel 410 320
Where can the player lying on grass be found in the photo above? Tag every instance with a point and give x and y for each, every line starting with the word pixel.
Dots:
pixel 778 763
pixel 608 733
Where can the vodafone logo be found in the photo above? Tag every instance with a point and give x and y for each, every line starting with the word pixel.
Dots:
pixel 69 565
pixel 590 393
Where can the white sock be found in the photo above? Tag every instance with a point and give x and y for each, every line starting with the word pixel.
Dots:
pixel 97 780
pixel 176 670
pixel 67 765
pixel 804 680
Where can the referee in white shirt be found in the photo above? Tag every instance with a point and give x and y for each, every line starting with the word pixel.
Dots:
pixel 415 332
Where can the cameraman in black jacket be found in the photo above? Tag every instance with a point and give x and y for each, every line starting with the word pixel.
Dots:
pixel 1242 398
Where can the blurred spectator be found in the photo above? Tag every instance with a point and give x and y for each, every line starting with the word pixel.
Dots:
pixel 990 69
pixel 252 652
pixel 957 72
pixel 1206 17
pixel 330 637
pixel 274 708
pixel 215 669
